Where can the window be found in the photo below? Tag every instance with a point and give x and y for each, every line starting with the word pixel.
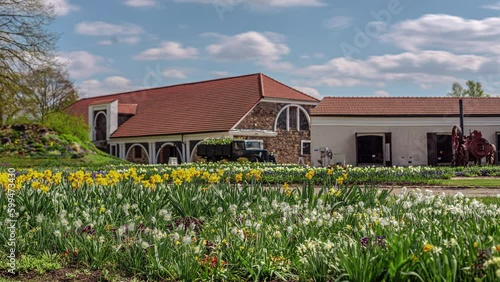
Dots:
pixel 254 144
pixel 282 120
pixel 292 117
pixel 304 124
pixel 305 148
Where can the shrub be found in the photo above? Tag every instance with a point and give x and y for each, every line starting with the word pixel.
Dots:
pixel 242 160
pixel 66 124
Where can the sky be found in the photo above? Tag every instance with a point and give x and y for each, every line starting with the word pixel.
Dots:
pixel 321 47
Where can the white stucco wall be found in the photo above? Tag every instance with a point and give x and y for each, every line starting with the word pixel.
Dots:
pixel 409 135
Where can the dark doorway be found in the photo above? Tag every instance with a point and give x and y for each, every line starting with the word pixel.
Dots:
pixel 370 150
pixel 100 127
pixel 498 148
pixel 167 152
pixel 444 149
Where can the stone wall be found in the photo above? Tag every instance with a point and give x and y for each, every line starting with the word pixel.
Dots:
pixel 286 145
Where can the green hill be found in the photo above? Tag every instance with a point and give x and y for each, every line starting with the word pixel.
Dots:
pixel 32 145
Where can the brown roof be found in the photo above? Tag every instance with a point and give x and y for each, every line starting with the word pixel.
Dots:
pixel 207 106
pixel 405 106
pixel 103 101
pixel 127 109
pixel 276 89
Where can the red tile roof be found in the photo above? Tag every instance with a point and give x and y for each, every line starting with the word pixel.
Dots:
pixel 207 106
pixel 405 106
pixel 276 89
pixel 127 109
pixel 103 101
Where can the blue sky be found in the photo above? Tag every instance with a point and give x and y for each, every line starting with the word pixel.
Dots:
pixel 327 48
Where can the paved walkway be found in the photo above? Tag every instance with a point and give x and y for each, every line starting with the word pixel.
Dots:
pixel 468 192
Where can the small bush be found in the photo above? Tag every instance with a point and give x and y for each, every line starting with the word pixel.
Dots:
pixel 242 160
pixel 66 124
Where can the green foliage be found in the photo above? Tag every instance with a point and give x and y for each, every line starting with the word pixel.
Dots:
pixel 68 124
pixel 40 263
pixel 226 140
pixel 474 89
pixel 250 231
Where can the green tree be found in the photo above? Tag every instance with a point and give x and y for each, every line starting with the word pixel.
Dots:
pixel 47 90
pixel 474 89
pixel 24 43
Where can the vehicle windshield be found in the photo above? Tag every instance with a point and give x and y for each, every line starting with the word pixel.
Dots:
pixel 253 145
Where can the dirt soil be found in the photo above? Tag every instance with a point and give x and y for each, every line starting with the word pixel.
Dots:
pixel 66 275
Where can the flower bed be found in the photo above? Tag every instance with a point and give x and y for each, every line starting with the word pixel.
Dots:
pixel 225 223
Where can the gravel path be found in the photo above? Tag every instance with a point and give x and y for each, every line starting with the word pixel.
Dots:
pixel 468 192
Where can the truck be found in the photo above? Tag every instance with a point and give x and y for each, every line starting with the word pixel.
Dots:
pixel 250 149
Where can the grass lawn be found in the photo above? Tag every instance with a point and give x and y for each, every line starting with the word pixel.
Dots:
pixel 489 200
pixel 471 182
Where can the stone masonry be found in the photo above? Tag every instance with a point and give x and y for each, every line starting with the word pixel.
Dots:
pixel 286 145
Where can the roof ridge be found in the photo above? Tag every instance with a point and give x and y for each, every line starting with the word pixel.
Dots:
pixel 261 85
pixel 169 86
pixel 289 87
pixel 404 97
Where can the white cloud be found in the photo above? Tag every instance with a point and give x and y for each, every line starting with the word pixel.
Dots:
pixel 447 32
pixel 110 85
pixel 381 93
pixel 168 51
pixel 100 28
pixel 250 45
pixel 117 81
pixel 288 3
pixel 310 91
pixel 174 73
pixel 495 6
pixel 266 49
pixel 61 7
pixel 141 3
pixel 339 22
pixel 131 40
pixel 425 68
pixel 82 64
pixel 230 4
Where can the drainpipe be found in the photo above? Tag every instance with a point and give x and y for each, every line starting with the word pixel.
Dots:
pixel 461 107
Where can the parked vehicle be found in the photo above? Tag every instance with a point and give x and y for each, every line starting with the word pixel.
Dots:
pixel 252 150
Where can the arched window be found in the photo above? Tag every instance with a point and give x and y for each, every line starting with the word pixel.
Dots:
pixel 137 154
pixel 292 117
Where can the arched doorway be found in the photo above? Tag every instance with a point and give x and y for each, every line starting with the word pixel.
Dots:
pixel 193 156
pixel 138 154
pixel 167 151
pixel 100 127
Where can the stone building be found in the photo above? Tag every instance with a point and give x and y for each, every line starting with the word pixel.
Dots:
pixel 155 125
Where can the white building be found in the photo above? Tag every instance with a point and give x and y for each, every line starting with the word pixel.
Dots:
pixel 397 131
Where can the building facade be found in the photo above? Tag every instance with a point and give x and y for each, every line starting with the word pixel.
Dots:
pixel 397 131
pixel 157 125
